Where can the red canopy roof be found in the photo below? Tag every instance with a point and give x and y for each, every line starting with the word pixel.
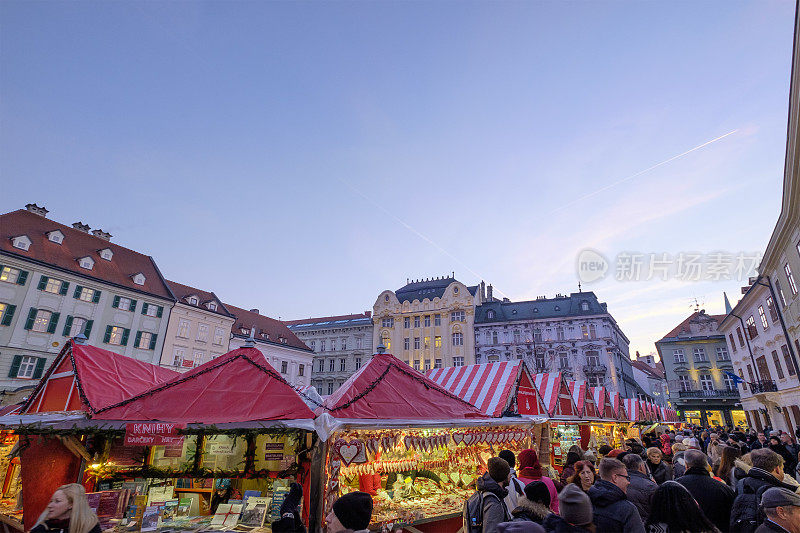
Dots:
pixel 239 386
pixel 88 378
pixel 388 388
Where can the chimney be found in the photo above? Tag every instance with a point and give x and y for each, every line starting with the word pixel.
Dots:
pixel 80 226
pixel 483 291
pixel 36 210
pixel 506 300
pixel 368 314
pixel 254 311
pixel 489 293
pixel 100 234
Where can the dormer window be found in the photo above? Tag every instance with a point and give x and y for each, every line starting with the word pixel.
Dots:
pixel 192 300
pixel 139 278
pixel 245 331
pixel 22 242
pixel 584 306
pixel 86 262
pixel 490 314
pixel 55 236
pixel 212 306
pixel 106 254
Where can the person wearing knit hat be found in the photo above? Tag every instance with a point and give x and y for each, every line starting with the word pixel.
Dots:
pixel 576 512
pixel 614 453
pixel 534 506
pixel 530 470
pixel 351 512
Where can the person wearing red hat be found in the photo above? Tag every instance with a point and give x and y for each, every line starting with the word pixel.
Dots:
pixel 530 470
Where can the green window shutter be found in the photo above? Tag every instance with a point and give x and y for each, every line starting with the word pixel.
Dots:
pixel 115 303
pixel 64 287
pixel 96 296
pixel 37 372
pixel 42 283
pixel 138 338
pixel 133 306
pixel 107 336
pixel 88 328
pixel 153 341
pixel 125 333
pixel 23 277
pixel 77 293
pixel 15 366
pixel 51 327
pixel 144 308
pixel 67 325
pixel 160 310
pixel 8 315
pixel 31 318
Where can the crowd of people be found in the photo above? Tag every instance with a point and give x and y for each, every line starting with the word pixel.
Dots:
pixel 693 481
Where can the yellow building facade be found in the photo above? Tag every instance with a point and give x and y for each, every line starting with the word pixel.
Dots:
pixel 428 323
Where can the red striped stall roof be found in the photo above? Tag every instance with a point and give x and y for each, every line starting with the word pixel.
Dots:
pixel 556 395
pixel 633 408
pixel 603 403
pixel 584 401
pixel 619 406
pixel 489 386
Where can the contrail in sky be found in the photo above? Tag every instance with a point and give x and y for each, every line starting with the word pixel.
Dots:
pixel 430 241
pixel 648 169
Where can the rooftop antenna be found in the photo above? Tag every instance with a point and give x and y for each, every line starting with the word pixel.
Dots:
pixel 579 286
pixel 251 340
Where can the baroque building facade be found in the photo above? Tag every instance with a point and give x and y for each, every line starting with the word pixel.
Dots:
pixel 699 369
pixel 341 344
pixel 57 282
pixel 428 323
pixel 199 328
pixel 574 334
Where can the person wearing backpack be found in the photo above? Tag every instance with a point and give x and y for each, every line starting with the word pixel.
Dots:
pixel 516 488
pixel 766 472
pixel 485 509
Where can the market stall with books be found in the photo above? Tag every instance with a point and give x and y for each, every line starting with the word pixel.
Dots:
pixel 564 415
pixel 214 447
pixel 413 445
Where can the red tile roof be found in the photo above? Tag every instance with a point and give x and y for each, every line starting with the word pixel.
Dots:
pixel 685 324
pixel 368 314
pixel 647 369
pixel 182 292
pixel 264 325
pixel 124 264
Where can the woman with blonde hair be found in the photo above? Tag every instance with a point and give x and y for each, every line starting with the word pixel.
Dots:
pixel 68 512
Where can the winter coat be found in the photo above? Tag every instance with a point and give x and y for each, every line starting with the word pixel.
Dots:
pixel 519 527
pixel 524 477
pixel 660 472
pixel 745 508
pixel 612 511
pixel 771 527
pixel 566 473
pixel 678 465
pixel 640 493
pixel 529 511
pixel 664 528
pixel 61 526
pixel 713 497
pixel 494 509
pixel 556 524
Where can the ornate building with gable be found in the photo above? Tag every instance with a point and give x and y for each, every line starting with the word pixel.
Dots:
pixel 428 323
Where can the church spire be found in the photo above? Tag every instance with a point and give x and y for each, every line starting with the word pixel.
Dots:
pixel 728 308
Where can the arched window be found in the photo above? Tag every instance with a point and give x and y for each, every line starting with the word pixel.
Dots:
pixel 490 314
pixel 385 340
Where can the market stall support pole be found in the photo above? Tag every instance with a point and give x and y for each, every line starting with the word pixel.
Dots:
pixel 318 481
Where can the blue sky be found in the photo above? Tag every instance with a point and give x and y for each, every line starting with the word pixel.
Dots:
pixel 301 157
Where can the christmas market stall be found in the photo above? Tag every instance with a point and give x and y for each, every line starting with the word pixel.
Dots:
pixel 598 425
pixel 564 415
pixel 215 447
pixel 611 429
pixel 81 380
pixel 413 445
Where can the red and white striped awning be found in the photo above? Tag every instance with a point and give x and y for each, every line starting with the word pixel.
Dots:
pixel 556 395
pixel 603 403
pixel 634 409
pixel 491 387
pixel 583 399
pixel 618 405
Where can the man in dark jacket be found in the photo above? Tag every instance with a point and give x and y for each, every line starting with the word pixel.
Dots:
pixel 782 508
pixel 492 485
pixel 611 509
pixel 713 497
pixel 767 472
pixel 640 491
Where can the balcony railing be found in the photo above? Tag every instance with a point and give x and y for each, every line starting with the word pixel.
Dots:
pixel 708 394
pixel 765 385
pixel 594 369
